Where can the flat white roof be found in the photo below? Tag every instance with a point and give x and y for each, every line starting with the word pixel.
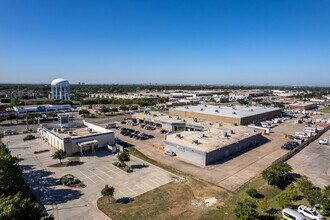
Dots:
pixel 226 111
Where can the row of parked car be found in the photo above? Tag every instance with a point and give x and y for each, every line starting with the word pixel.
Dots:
pixel 134 134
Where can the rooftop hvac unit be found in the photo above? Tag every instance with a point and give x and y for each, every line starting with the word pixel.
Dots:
pixel 178 135
pixel 202 135
pixel 220 125
pixel 170 116
pixel 178 118
pixel 219 106
pixel 195 142
pixel 233 107
pixel 230 131
pixel 251 109
pixel 223 134
pixel 89 130
pixel 187 107
pixel 204 105
pixel 216 111
pixel 202 109
pixel 234 113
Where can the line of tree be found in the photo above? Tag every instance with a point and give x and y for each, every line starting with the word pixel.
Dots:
pixel 15 198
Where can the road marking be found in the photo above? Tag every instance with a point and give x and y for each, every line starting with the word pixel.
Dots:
pixel 105 173
pixel 141 188
pixel 132 191
pixel 122 193
pixel 113 171
pixel 87 177
pixel 147 185
pixel 157 184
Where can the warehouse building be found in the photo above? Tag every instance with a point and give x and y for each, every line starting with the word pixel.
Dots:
pixel 207 147
pixel 76 137
pixel 240 115
pixel 302 106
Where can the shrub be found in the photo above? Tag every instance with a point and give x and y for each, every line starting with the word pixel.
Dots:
pixel 283 199
pixel 264 204
pixel 246 210
pixel 128 169
pixel 253 193
pixel 64 180
pixel 304 184
pixel 107 190
pixel 40 151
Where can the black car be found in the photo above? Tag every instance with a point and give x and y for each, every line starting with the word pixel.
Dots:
pixel 290 145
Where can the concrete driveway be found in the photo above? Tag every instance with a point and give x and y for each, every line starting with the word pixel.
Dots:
pixel 314 162
pixel 95 171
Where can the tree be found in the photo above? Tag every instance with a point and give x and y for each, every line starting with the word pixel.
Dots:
pixel 292 191
pixel 242 101
pixel 283 199
pixel 108 190
pixel 60 155
pixel 246 210
pixel 264 204
pixel 123 157
pixel 16 207
pixel 11 180
pixel 277 174
pixel 304 184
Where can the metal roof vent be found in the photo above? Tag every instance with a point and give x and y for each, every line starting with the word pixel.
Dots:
pixel 219 106
pixel 223 134
pixel 195 142
pixel 216 111
pixel 202 109
pixel 204 105
pixel 233 107
pixel 251 109
pixel 234 113
pixel 202 135
pixel 179 136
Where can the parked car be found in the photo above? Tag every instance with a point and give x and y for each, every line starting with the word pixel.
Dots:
pixel 323 141
pixel 149 128
pixel 169 153
pixel 290 145
pixel 310 213
pixel 9 132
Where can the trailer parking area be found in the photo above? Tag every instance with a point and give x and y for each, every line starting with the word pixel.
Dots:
pixel 96 170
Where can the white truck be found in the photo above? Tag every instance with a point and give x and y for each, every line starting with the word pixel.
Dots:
pixel 324 141
pixel 310 213
pixel 110 125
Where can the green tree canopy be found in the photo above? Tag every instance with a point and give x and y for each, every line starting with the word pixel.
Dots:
pixel 17 207
pixel 60 155
pixel 108 190
pixel 277 174
pixel 123 157
pixel 246 210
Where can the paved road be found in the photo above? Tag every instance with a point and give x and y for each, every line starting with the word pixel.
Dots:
pixel 314 162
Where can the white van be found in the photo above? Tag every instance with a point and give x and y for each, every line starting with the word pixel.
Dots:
pixel 110 125
pixel 292 214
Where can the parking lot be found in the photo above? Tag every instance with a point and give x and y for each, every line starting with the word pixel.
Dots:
pixel 314 162
pixel 95 171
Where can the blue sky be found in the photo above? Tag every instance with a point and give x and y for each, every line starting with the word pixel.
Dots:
pixel 251 42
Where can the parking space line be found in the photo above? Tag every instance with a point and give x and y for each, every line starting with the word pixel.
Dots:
pixel 102 172
pixel 113 171
pixel 141 188
pixel 160 181
pixel 132 191
pixel 147 185
pixel 122 193
pixel 157 184
pixel 87 177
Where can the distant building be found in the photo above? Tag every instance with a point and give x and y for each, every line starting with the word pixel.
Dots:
pixel 60 89
pixel 41 108
pixel 302 106
pixel 240 115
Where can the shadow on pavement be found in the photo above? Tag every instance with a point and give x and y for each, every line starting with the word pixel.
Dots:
pixel 48 189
